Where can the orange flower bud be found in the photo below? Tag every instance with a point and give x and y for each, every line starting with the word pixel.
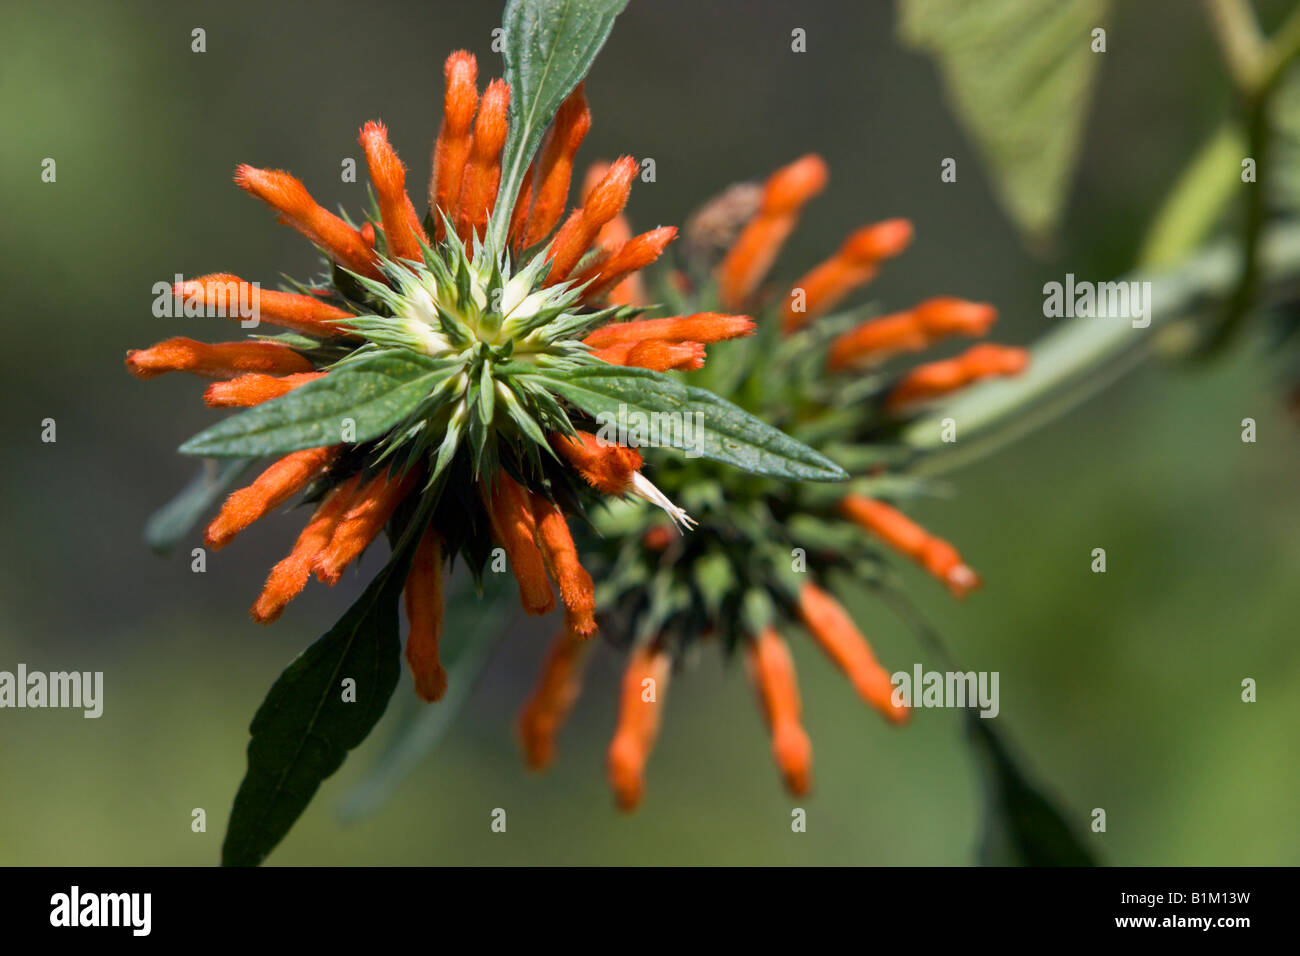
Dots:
pixel 853 265
pixel 231 295
pixel 877 339
pixel 289 576
pixel 658 538
pixel 272 488
pixel 254 389
pixel 511 516
pixel 577 590
pixel 608 468
pixel 945 316
pixel 423 598
pixel 907 537
pixel 840 638
pixel 755 249
pixel 772 670
pixel 223 360
pixel 644 684
pixel 701 327
pixel 553 697
pixel 654 354
pixel 555 168
pixel 948 375
pixel 389 178
pixel 455 136
pixel 624 262
pixel 478 185
pixel 581 228
pixel 365 518
pixel 290 198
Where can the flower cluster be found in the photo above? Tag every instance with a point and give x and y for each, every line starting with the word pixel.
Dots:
pixel 768 564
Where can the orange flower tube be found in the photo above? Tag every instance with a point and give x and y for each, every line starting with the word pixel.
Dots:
pixel 271 489
pixel 701 327
pixel 554 695
pixel 423 598
pixel 943 377
pixel 555 168
pixel 853 265
pixel 644 684
pixel 583 225
pixel 229 294
pixel 907 537
pixel 772 670
pixel 837 635
pixel 389 178
pixel 254 389
pixel 514 528
pixel 577 591
pixel 366 517
pixel 608 468
pixel 478 186
pixel 223 360
pixel 455 136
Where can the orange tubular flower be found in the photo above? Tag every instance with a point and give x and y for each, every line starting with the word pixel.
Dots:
pixel 478 185
pixel 577 590
pixel 840 638
pixel 389 178
pixel 423 597
pixel 906 536
pixel 223 360
pixel 366 517
pixel 228 294
pixel 622 264
pixel 556 692
pixel 910 331
pixel 554 169
pixel 289 576
pixel 772 670
pixel 638 723
pixel 290 198
pixel 254 389
pixel 455 136
pixel 754 251
pixel 939 378
pixel 515 530
pixel 607 468
pixel 579 231
pixel 655 354
pixel 853 265
pixel 272 488
pixel 701 327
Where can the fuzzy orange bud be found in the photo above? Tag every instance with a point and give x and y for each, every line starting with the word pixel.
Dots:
pixel 756 248
pixel 852 266
pixel 772 670
pixel 272 488
pixel 222 360
pixel 478 185
pixel 576 588
pixel 290 198
pixel 654 354
pixel 553 697
pixel 624 262
pixel 840 638
pixel 289 576
pixel 908 538
pixel 945 316
pixel 511 515
pixel 254 389
pixel 608 468
pixel 644 684
pixel 422 595
pixel 579 231
pixel 455 135
pixel 700 327
pixel 389 178
pixel 934 379
pixel 233 298
pixel 365 518
pixel 555 168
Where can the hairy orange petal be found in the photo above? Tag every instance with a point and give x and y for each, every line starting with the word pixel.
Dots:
pixel 553 697
pixel 579 231
pixel 229 295
pixel 511 516
pixel 576 588
pixel 478 185
pixel 555 168
pixel 389 178
pixel 853 265
pixel 773 674
pixel 222 360
pixel 840 638
pixel 423 598
pixel 907 537
pixel 271 488
pixel 701 327
pixel 638 723
pixel 607 467
pixel 254 389
pixel 365 518
pixel 948 375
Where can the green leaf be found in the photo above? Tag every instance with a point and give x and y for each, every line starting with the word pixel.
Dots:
pixel 472 629
pixel 1019 74
pixel 1022 827
pixel 173 521
pixel 722 431
pixel 549 47
pixel 305 727
pixel 375 392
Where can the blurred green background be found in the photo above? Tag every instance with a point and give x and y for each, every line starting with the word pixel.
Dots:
pixel 1121 690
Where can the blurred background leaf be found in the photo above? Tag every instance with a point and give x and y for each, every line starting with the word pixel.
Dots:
pixel 1018 74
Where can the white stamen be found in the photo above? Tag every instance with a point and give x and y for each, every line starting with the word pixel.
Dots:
pixel 643 487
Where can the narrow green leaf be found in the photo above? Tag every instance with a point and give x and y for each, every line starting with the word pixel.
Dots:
pixel 698 422
pixel 1022 827
pixel 305 727
pixel 173 521
pixel 549 47
pixel 1019 74
pixel 375 393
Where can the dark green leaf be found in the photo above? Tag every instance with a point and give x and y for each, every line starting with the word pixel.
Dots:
pixel 375 393
pixel 722 431
pixel 1022 828
pixel 304 728
pixel 549 47
pixel 173 521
